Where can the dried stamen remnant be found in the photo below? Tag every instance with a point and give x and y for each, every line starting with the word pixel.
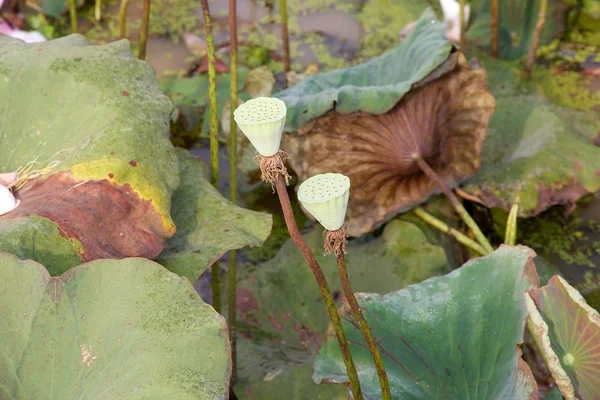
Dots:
pixel 335 241
pixel 273 166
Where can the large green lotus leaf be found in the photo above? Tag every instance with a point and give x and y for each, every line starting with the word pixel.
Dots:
pixel 93 118
pixel 109 329
pixel 373 87
pixel 208 225
pixel 568 330
pixel 516 25
pixel 282 315
pixel 537 151
pixel 451 337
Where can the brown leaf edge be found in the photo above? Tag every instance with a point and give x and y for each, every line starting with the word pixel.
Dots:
pixel 110 221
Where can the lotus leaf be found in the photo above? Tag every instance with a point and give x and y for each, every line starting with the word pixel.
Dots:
pixel 92 119
pixel 569 333
pixel 443 122
pixel 448 337
pixel 109 329
pixel 540 152
pixel 373 87
pixel 208 224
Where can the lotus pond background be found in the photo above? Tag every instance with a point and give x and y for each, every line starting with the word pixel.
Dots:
pixel 105 262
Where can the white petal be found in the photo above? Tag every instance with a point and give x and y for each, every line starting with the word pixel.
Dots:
pixel 9 178
pixel 7 200
pixel 325 197
pixel 28 37
pixel 262 120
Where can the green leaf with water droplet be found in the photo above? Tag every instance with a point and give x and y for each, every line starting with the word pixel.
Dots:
pixel 451 337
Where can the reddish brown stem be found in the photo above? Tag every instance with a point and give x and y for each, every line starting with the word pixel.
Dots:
pixel 494 27
pixel 288 215
pixel 285 36
pixel 364 327
pixel 144 29
pixel 233 96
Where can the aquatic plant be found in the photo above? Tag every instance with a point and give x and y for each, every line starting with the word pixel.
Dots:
pixel 262 121
pixel 325 196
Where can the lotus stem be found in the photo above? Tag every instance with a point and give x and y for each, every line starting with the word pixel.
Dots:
pixel 510 236
pixel 537 33
pixel 494 27
pixel 336 321
pixel 73 15
pixel 232 282
pixel 123 19
pixel 458 207
pixel 285 36
pixel 459 236
pixel 214 134
pixel 98 10
pixel 461 20
pixel 144 29
pixel 335 241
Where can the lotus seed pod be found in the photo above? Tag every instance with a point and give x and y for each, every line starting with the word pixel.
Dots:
pixel 7 200
pixel 262 120
pixel 325 197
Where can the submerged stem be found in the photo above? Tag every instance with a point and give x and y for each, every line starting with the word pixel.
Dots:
pixel 233 100
pixel 458 207
pixel 123 19
pixel 144 29
pixel 494 27
pixel 537 33
pixel 288 215
pixel 364 327
pixel 98 10
pixel 285 36
pixel 73 15
pixel 214 133
pixel 459 236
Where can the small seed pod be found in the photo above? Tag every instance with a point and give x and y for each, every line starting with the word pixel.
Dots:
pixel 7 200
pixel 262 120
pixel 325 197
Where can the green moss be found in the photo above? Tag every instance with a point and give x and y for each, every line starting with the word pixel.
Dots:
pixel 567 237
pixel 566 88
pixel 590 288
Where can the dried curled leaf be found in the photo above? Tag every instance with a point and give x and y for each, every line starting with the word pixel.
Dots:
pixel 444 122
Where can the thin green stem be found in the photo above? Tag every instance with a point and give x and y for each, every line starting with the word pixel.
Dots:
pixel 285 35
pixel 459 236
pixel 73 15
pixel 364 328
pixel 144 29
pixel 214 133
pixel 98 10
pixel 494 27
pixel 123 19
pixel 336 322
pixel 458 207
pixel 233 99
pixel 537 33
pixel 510 236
